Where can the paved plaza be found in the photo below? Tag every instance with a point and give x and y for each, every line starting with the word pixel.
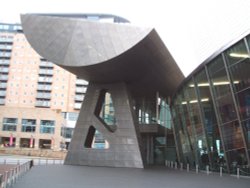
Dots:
pixel 64 176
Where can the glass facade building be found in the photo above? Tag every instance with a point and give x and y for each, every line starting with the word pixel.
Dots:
pixel 211 111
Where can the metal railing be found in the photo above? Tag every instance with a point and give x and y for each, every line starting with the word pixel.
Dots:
pixel 9 178
pixel 35 161
pixel 237 171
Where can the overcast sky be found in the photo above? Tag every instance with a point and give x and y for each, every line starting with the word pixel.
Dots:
pixel 191 29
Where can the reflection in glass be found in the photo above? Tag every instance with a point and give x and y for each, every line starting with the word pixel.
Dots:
pixel 182 134
pixel 240 75
pixel 146 110
pixel 107 113
pixel 243 99
pixel 236 158
pixel 226 108
pixel 232 135
pixel 9 124
pixel 236 53
pixel 246 128
pixel 210 123
pixel 222 93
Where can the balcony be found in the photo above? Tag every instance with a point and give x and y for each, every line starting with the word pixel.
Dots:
pixel 5 47
pixel 81 89
pixel 4 62
pixel 3 85
pixel 78 106
pixel 43 96
pixel 46 71
pixel 6 40
pixel 44 87
pixel 46 64
pixel 5 54
pixel 3 77
pixel 45 79
pixel 4 69
pixel 45 104
pixel 79 97
pixel 2 93
pixel 81 82
pixel 2 101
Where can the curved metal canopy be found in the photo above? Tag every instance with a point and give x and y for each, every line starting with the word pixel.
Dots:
pixel 104 52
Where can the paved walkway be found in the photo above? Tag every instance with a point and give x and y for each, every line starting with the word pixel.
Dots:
pixel 63 176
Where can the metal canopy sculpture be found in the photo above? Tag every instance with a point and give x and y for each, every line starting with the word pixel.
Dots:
pixel 122 59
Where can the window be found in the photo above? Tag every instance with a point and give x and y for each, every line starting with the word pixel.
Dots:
pixel 28 125
pixel 47 126
pixel 72 116
pixel 67 132
pixel 9 124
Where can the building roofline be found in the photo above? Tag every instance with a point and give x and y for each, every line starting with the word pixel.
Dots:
pixel 212 57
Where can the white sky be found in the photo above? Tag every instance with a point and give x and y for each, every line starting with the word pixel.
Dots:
pixel 191 29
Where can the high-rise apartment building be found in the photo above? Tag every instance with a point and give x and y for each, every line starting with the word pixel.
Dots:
pixel 34 94
pixel 39 101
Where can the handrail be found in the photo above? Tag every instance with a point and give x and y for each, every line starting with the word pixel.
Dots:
pixel 10 177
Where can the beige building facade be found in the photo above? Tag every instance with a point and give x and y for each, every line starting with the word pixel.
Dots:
pixel 39 101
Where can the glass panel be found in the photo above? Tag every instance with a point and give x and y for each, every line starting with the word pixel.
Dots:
pixel 220 83
pixel 164 114
pixel 243 99
pixel 9 124
pixel 67 132
pixel 226 108
pixel 216 65
pixel 210 123
pixel 146 110
pixel 182 134
pixel 236 53
pixel 27 142
pixel 232 135
pixel 159 150
pixel 47 126
pixel 246 128
pixel 236 158
pixel 222 94
pixel 28 125
pixel 240 75
pixel 107 112
pixel 200 139
pixel 188 126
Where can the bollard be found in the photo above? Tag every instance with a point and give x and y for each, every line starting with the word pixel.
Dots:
pixel 207 168
pixel 166 162
pixel 6 178
pixel 181 166
pixel 220 171
pixel 238 173
pixel 4 161
pixel 175 165
pixel 197 169
pixel 187 167
pixel 39 161
pixel 18 162
pixel 1 180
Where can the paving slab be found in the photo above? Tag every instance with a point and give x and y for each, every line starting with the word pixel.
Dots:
pixel 65 176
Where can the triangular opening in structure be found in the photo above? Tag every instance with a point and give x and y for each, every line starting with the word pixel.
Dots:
pixel 105 110
pixel 95 139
